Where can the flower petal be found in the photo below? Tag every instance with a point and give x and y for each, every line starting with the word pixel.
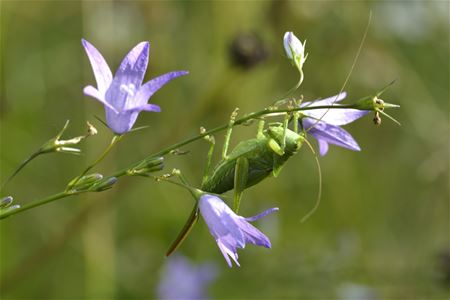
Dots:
pixel 227 253
pixel 93 92
pixel 102 73
pixel 149 88
pixel 146 107
pixel 128 78
pixel 338 116
pixel 327 101
pixel 330 134
pixel 262 215
pixel 323 147
pixel 133 66
pixel 253 235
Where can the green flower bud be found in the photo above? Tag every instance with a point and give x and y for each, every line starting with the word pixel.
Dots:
pixel 5 202
pixel 85 182
pixel 147 166
pixel 104 184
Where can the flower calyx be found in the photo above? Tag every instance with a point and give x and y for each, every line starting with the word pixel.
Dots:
pixel 56 144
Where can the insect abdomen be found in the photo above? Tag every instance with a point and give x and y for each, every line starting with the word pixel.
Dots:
pixel 260 161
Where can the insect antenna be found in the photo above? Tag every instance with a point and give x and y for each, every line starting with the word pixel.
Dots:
pixel 319 193
pixel 358 52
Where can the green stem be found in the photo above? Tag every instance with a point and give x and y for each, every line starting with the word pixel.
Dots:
pixel 35 203
pixel 293 89
pixel 114 141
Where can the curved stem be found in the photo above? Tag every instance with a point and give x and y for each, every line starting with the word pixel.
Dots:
pixel 293 89
pixel 299 83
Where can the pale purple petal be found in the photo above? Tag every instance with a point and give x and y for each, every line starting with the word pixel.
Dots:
pixel 102 73
pixel 327 101
pixel 227 253
pixel 128 78
pixel 253 235
pixel 330 134
pixel 338 116
pixel 149 88
pixel 262 215
pixel 133 66
pixel 323 147
pixel 93 92
pixel 146 107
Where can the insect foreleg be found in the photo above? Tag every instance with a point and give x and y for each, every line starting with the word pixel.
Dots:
pixel 228 134
pixel 296 117
pixel 285 127
pixel 212 142
pixel 260 132
pixel 240 180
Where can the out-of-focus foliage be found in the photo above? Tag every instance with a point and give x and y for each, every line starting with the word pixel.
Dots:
pixel 382 229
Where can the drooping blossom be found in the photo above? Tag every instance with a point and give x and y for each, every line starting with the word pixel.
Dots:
pixel 323 124
pixel 295 49
pixel 124 96
pixel 184 280
pixel 230 230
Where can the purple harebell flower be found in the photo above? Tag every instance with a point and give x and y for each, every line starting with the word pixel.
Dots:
pixel 124 96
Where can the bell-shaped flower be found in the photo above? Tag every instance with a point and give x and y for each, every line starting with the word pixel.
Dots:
pixel 124 96
pixel 295 49
pixel 323 124
pixel 230 230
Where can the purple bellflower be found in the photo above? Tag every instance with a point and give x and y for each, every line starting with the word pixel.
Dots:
pixel 181 279
pixel 323 124
pixel 230 230
pixel 124 96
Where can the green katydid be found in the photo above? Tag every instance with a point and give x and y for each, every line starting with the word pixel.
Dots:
pixel 247 164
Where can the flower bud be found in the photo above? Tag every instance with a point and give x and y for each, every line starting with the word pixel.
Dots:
pixel 103 185
pixel 5 202
pixel 85 182
pixel 147 166
pixel 295 50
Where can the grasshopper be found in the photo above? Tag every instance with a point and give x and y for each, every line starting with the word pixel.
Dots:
pixel 247 164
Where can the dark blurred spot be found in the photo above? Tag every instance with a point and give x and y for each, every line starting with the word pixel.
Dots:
pixel 248 50
pixel 443 265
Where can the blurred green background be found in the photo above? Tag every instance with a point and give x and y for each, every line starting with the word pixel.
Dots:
pixel 382 229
